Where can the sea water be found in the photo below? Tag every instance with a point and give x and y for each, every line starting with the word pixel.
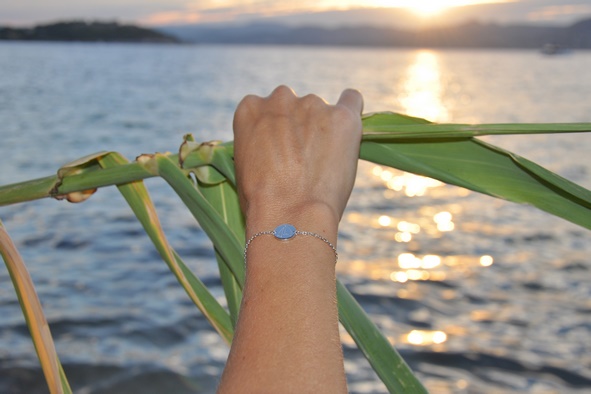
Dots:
pixel 478 294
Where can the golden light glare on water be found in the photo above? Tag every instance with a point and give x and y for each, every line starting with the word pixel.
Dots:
pixel 424 337
pixel 407 267
pixel 384 221
pixel 444 221
pixel 423 89
pixel 486 261
pixel 413 185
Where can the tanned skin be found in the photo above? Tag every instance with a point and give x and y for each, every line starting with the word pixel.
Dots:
pixel 296 160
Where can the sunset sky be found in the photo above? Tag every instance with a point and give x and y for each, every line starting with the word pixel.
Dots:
pixel 319 12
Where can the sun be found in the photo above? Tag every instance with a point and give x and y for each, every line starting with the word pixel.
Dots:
pixel 427 7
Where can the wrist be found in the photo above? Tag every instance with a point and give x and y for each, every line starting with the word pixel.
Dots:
pixel 316 217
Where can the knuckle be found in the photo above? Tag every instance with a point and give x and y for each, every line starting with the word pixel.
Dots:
pixel 247 105
pixel 342 113
pixel 283 91
pixel 281 99
pixel 311 100
pixel 347 118
pixel 249 101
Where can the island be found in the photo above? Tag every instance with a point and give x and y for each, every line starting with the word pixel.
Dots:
pixel 86 32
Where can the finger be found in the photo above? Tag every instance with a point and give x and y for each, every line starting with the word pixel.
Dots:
pixel 351 99
pixel 248 106
pixel 282 92
pixel 313 101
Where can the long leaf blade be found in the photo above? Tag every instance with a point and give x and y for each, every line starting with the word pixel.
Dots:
pixel 229 247
pixel 33 313
pixel 136 195
pixel 386 126
pixel 385 360
pixel 224 199
pixel 485 168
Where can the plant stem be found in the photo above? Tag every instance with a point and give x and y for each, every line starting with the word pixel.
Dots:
pixel 46 187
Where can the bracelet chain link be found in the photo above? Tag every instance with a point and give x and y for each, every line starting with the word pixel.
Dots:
pixel 285 232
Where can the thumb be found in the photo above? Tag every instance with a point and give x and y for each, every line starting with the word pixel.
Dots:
pixel 351 99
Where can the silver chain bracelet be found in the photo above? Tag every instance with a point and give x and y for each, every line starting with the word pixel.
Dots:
pixel 286 232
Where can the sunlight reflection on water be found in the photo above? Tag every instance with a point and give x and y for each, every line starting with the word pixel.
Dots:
pixel 423 89
pixel 473 294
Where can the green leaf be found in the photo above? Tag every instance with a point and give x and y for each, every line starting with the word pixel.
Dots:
pixel 384 359
pixel 482 167
pixel 213 183
pixel 139 200
pixel 386 126
pixel 224 199
pixel 224 240
pixel 33 313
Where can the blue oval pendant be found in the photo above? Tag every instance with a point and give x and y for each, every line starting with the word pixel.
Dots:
pixel 284 231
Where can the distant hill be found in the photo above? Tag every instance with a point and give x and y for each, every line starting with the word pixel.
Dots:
pixel 466 35
pixel 86 31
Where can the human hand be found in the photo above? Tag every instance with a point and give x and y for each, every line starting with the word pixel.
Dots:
pixel 296 156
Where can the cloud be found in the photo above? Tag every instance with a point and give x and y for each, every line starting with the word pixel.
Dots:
pixel 321 12
pixel 215 11
pixel 551 13
pixel 171 18
pixel 210 11
pixel 26 12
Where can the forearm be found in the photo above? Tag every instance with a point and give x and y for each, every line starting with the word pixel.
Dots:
pixel 295 161
pixel 287 337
